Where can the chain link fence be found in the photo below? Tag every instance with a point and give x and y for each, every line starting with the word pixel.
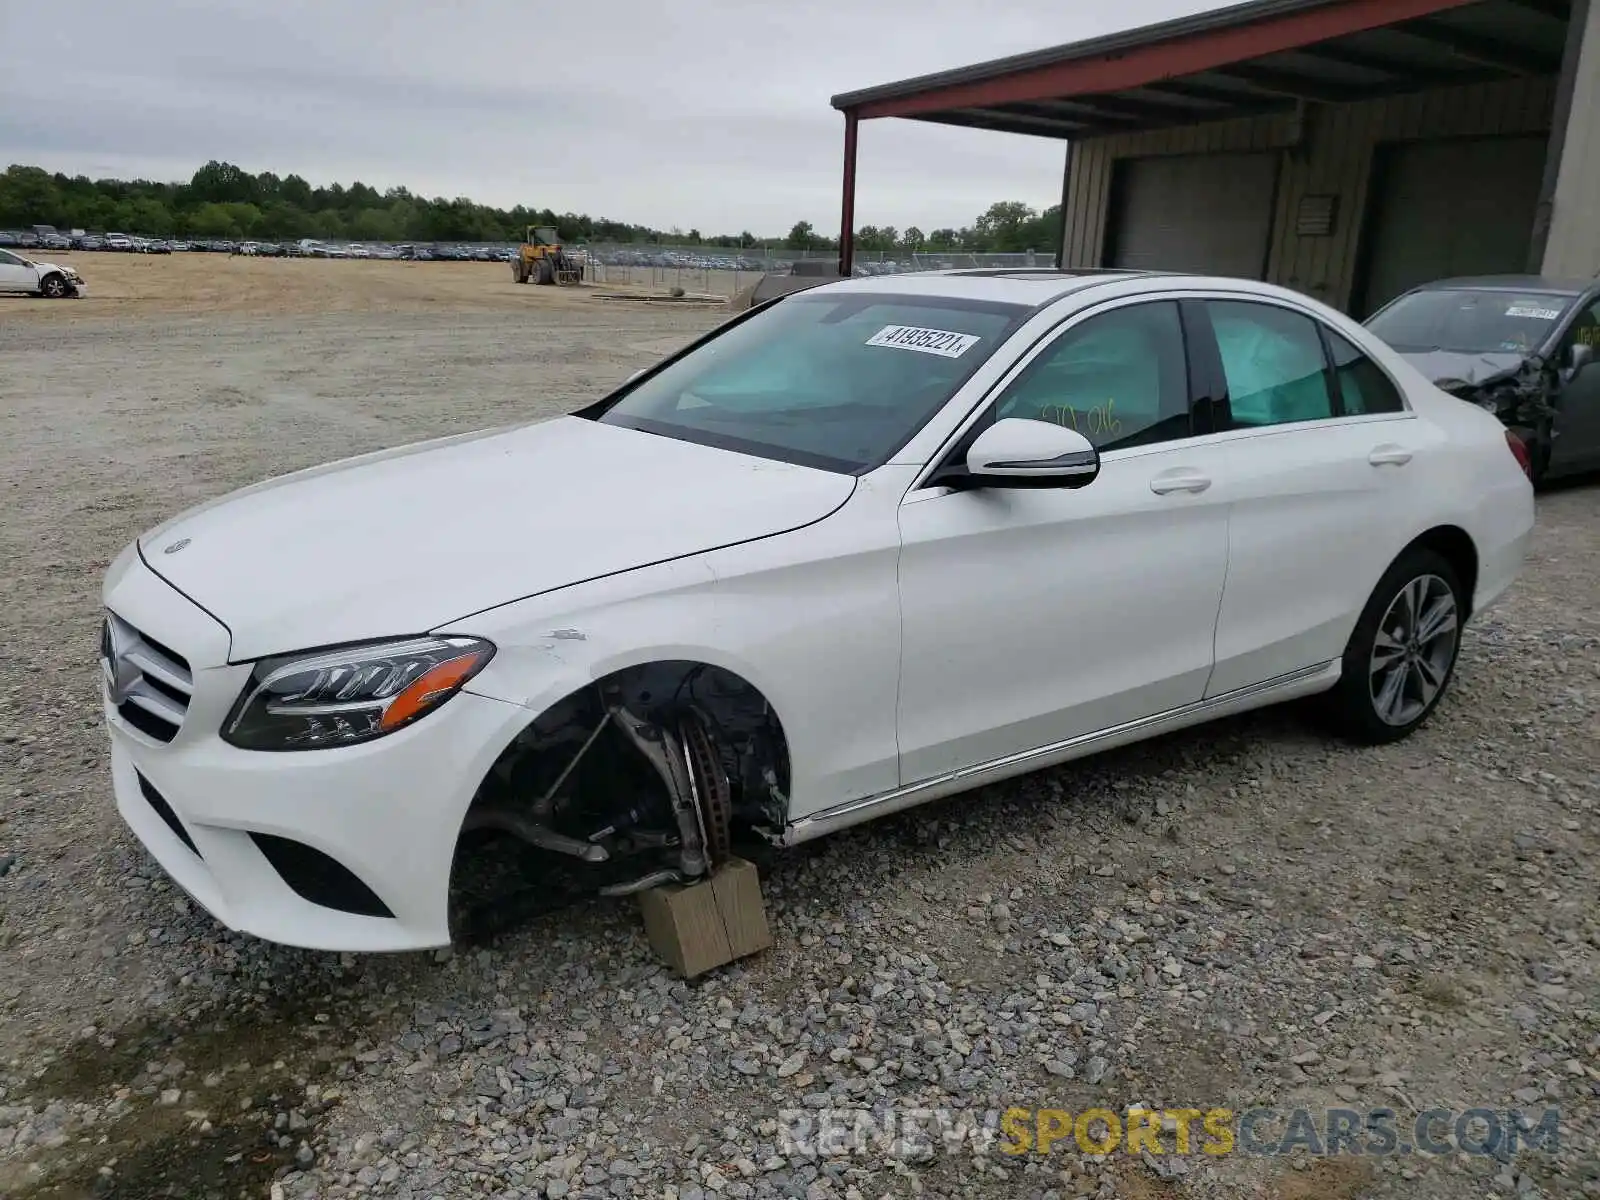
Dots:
pixel 723 271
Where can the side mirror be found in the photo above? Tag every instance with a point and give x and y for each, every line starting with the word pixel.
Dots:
pixel 1017 452
pixel 1579 357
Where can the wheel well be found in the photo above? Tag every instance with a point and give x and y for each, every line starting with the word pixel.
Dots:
pixel 581 779
pixel 1456 546
pixel 740 712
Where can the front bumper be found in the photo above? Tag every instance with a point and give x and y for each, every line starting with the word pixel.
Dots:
pixel 387 812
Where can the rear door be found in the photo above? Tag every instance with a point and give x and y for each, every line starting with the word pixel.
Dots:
pixel 1322 456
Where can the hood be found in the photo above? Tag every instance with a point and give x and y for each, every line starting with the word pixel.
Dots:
pixel 405 540
pixel 1455 365
pixel 50 266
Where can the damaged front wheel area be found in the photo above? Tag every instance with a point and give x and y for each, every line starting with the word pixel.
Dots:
pixel 647 776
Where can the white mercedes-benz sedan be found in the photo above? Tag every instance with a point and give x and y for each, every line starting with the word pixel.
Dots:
pixel 864 546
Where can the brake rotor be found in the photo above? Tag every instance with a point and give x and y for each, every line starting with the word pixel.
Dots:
pixel 711 786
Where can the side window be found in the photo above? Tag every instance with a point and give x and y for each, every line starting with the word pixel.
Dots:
pixel 1274 364
pixel 1363 386
pixel 9 260
pixel 1120 379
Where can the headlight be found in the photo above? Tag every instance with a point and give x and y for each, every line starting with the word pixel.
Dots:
pixel 351 694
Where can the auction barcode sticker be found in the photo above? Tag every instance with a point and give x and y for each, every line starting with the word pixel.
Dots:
pixel 1534 311
pixel 942 342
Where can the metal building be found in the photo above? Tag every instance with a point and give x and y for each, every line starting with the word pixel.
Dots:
pixel 1346 148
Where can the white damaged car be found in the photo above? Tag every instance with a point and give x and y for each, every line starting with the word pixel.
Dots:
pixel 873 543
pixel 54 282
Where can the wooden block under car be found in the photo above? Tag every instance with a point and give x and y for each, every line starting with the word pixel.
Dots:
pixel 702 925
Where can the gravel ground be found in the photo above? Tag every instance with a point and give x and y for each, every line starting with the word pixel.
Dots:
pixel 1247 914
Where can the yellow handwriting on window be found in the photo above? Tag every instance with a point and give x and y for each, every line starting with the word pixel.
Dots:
pixel 1100 420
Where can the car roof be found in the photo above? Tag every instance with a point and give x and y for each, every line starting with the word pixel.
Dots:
pixel 1031 286
pixel 1037 287
pixel 1509 283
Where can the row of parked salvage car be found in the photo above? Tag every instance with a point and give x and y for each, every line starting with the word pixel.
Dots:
pixel 124 243
pixel 404 251
pixel 614 256
pixel 121 242
pixel 303 248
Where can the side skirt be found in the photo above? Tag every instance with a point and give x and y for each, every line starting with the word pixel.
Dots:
pixel 1304 682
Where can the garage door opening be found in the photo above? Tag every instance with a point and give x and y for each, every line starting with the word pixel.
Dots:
pixel 1207 213
pixel 1437 209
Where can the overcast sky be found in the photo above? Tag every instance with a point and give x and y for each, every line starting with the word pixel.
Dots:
pixel 711 114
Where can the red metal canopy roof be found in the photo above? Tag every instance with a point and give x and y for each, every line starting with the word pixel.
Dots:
pixel 1235 61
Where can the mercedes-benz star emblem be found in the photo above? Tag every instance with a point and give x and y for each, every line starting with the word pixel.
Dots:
pixel 121 675
pixel 176 546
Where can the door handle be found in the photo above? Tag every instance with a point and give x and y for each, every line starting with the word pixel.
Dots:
pixel 1179 481
pixel 1389 455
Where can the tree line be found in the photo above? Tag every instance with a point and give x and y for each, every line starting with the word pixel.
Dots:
pixel 225 201
pixel 1009 226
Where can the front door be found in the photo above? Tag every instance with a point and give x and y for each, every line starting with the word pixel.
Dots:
pixel 16 275
pixel 1033 616
pixel 1575 444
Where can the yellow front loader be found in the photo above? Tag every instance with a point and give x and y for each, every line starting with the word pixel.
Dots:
pixel 541 259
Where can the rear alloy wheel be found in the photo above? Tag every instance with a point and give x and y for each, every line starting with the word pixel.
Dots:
pixel 1403 651
pixel 52 287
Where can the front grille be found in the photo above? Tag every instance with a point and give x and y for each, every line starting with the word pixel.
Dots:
pixel 148 683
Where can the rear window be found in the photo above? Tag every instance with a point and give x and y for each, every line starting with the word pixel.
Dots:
pixel 837 380
pixel 1470 321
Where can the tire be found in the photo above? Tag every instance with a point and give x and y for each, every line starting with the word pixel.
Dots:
pixel 547 272
pixel 53 287
pixel 1402 653
pixel 516 271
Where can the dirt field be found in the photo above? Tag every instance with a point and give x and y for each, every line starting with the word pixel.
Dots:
pixel 140 286
pixel 1247 914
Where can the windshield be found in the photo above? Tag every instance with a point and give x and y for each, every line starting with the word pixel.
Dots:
pixel 1470 322
pixel 837 380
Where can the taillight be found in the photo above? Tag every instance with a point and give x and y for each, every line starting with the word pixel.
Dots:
pixel 1519 450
